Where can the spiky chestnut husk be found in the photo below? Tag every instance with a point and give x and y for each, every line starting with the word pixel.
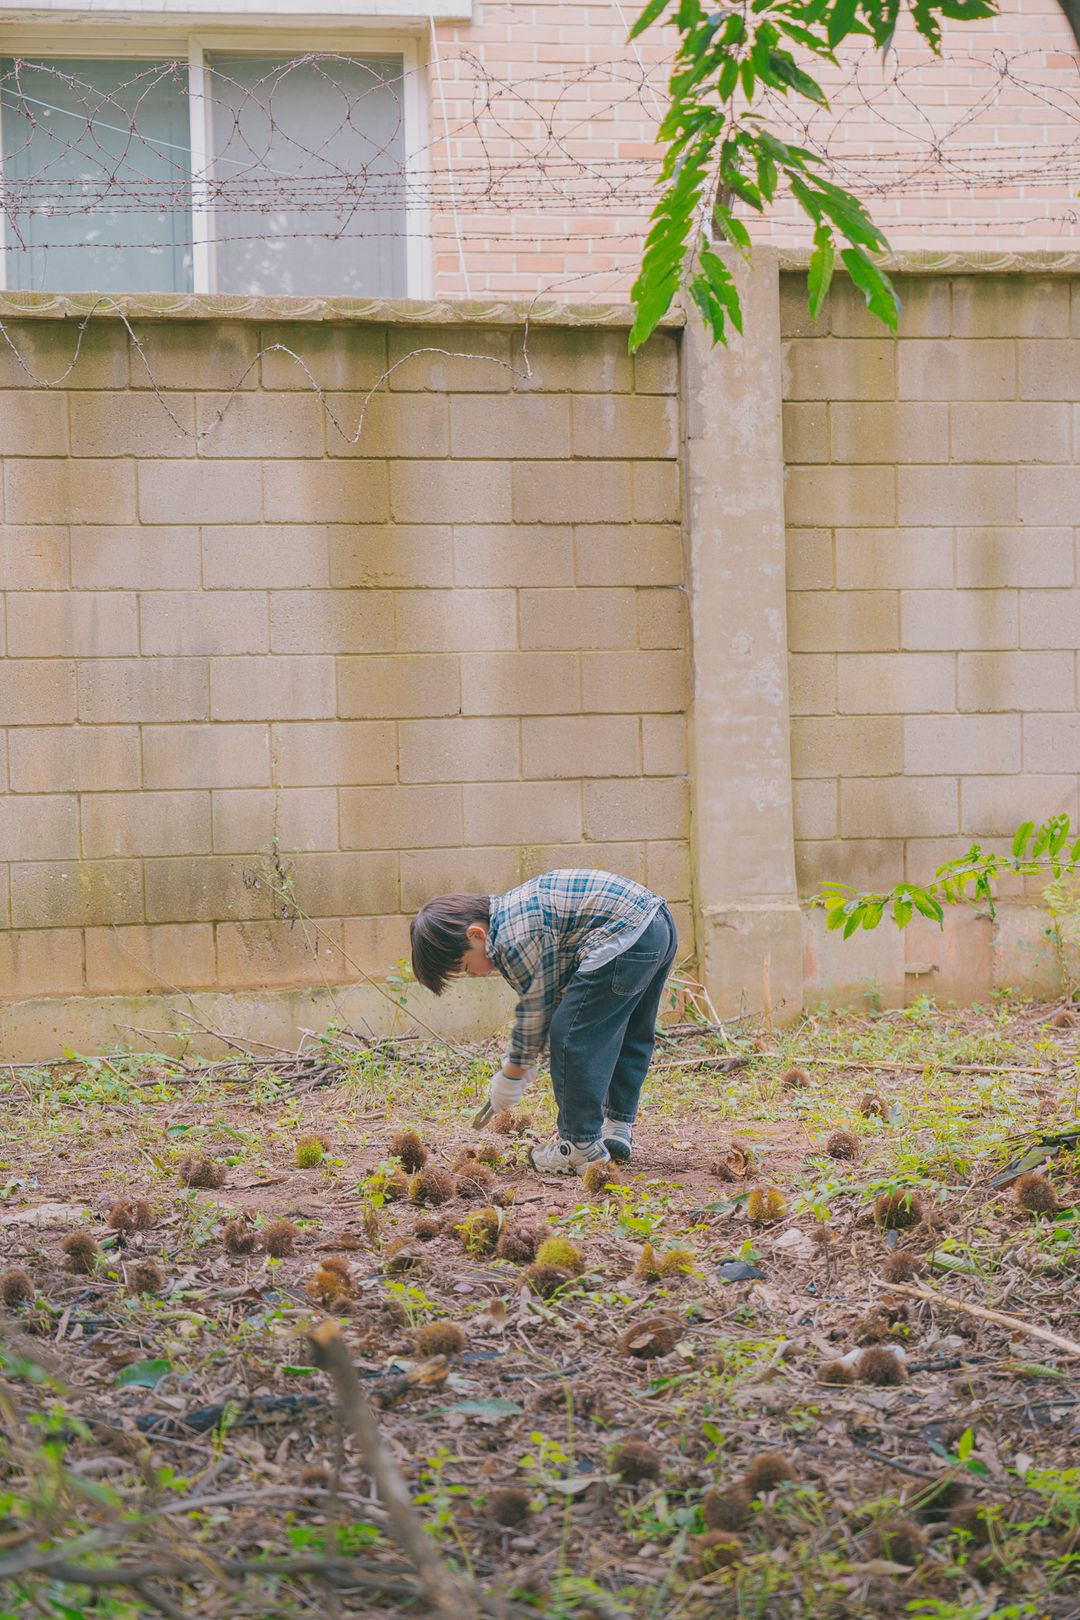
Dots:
pixel 646 1269
pixel 842 1145
pixel 464 1159
pixel 1064 1018
pixel 479 1231
pixel 327 1287
pixel 726 1509
pixel 440 1339
pixel 766 1472
pixel 897 1211
pixel 402 1256
pixel 194 1172
pixel 545 1280
pixel 502 1123
pixel 142 1215
pixel 651 1338
pixel 636 1461
pixel 509 1506
pixel 476 1181
pixel 336 1262
pixel 1035 1195
pixel 716 1549
pixel 517 1244
pixel 426 1228
pixel 407 1147
pixel 314 1474
pixel 146 1278
pixel 835 1372
pixel 432 1186
pixel 81 1250
pixel 871 1106
pixel 902 1266
pixel 522 1122
pixel 795 1079
pixel 879 1366
pixel 310 1151
pixel 735 1164
pixel 122 1218
pixel 934 1503
pixel 559 1251
pixel 238 1237
pixel 764 1205
pixel 279 1239
pixel 675 1262
pixel 598 1177
pixel 16 1288
pixel 969 1519
pixel 489 1154
pixel 900 1541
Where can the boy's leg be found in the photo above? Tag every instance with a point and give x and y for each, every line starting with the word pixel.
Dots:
pixel 635 1055
pixel 585 1040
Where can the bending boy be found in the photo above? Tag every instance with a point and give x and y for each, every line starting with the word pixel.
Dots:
pixel 588 954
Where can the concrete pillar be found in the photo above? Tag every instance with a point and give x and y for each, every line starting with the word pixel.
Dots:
pixel 748 922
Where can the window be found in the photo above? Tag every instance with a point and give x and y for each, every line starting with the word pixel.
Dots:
pixel 224 172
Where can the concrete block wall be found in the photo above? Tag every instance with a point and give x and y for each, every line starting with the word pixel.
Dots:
pixel 444 656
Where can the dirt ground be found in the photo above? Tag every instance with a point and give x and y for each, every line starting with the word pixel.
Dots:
pixel 730 1395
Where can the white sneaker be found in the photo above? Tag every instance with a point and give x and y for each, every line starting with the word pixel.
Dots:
pixel 561 1158
pixel 618 1138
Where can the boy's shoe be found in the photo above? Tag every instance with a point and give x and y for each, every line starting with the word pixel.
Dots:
pixel 618 1138
pixel 561 1158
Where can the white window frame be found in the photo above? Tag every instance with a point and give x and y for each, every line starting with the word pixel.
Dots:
pixel 148 44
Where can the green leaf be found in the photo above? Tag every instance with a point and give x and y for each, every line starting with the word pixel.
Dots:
pixel 965 1445
pixel 1022 837
pixel 877 289
pixel 143 1374
pixel 926 905
pixel 821 269
pixel 496 1407
pixel 840 21
pixel 648 17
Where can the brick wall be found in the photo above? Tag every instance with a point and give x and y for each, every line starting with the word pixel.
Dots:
pixel 446 656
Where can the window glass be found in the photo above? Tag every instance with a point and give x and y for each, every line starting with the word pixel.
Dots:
pixel 307 190
pixel 97 169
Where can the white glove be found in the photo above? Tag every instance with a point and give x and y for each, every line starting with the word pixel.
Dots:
pixel 506 1093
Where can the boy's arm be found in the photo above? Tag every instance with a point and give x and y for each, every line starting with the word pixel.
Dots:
pixel 535 981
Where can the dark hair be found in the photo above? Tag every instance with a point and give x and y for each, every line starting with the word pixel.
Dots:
pixel 439 939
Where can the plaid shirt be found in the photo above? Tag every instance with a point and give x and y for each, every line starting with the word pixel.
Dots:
pixel 540 932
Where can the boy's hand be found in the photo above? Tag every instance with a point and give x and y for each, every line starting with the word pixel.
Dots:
pixel 506 1090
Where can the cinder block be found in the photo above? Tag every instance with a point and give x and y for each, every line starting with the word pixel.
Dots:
pixel 614 426
pixel 662 618
pixel 272 688
pixel 890 431
pixel 941 496
pixel 205 756
pixel 221 492
pixel 72 759
pixel 265 556
pixel 998 681
pixel 894 559
pixel 656 366
pixel 936 368
pixel 656 493
pixel 806 431
pixel 459 750
pixel 663 745
pixel 205 888
pixel 964 620
pixel 281 953
pixel 1008 431
pixel 376 943
pixel 925 302
pixel 33 559
pixel 810 559
pixel 450 360
pixel 134 559
pixel 414 425
pixel 812 683
pixel 59 491
pixel 132 961
pixel 520 683
pixel 180 624
pixel 655 807
pixel 401 817
pixel 574 360
pixel 578 619
pixel 1052 745
pixel 1047 618
pixel 40 962
pixel 896 683
pixel 448 492
pixel 346 885
pixel 572 492
pixel 522 813
pixel 327 492
pixel 129 424
pixel 95 358
pixel 355 621
pixel 456 621
pixel 335 357
pixel 527 426
pixel 836 745
pixel 334 753
pixel 843 621
pixel 943 744
pixel 839 368
pixel 627 859
pixel 633 682
pixel 252 426
pixel 795 311
pixel 624 554
pixel 1047 494
pixel 113 690
pixel 668 869
pixel 1048 369
pixel 37 827
pixel 428 872
pixel 494 554
pixel 408 684
pixel 994 806
pixel 73 894
pixel 840 497
pixel 35 424
pixel 37 691
pixel 987 558
pixel 581 745
pixel 213 354
pixel 84 624
pixel 816 808
pixel 394 555
pixel 250 819
pixel 1011 306
pixel 862 863
pixel 899 807
pixel 134 824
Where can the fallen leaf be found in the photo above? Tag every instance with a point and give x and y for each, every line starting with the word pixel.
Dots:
pixel 45 1215
pixel 143 1374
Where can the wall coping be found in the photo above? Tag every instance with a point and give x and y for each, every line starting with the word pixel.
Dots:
pixel 1033 262
pixel 351 311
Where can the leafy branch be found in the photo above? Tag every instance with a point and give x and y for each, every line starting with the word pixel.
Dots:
pixel 1049 851
pixel 719 152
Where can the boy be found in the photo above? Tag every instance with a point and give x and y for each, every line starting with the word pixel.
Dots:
pixel 588 954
